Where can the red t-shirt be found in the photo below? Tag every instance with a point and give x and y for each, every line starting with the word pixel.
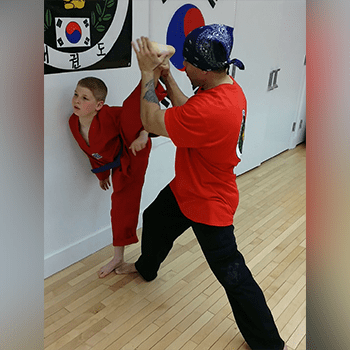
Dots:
pixel 208 132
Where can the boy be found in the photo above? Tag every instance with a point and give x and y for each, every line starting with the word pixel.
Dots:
pixel 110 137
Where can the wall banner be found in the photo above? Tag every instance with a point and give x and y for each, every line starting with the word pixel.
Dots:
pixel 87 35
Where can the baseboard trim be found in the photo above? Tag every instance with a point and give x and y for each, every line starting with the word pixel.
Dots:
pixel 60 260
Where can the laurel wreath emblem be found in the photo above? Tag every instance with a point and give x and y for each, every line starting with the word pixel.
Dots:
pixel 102 15
pixel 48 20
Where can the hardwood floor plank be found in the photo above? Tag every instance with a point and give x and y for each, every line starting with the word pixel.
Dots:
pixel 190 345
pixel 295 330
pixel 275 242
pixel 214 329
pixel 291 309
pixel 225 338
pixel 196 314
pixel 289 296
pixel 60 276
pixel 302 344
pixel 91 308
pixel 118 325
pixel 184 297
pixel 190 331
pixel 140 338
pixel 167 328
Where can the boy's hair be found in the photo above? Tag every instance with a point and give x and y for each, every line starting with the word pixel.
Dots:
pixel 96 86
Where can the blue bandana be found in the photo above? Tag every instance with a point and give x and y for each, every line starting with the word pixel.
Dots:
pixel 209 47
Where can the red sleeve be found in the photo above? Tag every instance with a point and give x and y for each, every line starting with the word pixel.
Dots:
pixel 116 111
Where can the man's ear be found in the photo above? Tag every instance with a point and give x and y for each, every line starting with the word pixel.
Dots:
pixel 99 105
pixel 205 74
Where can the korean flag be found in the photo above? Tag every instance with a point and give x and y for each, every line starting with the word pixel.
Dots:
pixel 72 32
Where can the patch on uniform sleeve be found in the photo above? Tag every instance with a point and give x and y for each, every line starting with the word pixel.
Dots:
pixel 96 156
pixel 239 148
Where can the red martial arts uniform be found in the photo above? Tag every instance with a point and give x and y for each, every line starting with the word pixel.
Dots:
pixel 108 128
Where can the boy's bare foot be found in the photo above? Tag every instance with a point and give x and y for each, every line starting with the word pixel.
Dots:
pixel 107 269
pixel 125 268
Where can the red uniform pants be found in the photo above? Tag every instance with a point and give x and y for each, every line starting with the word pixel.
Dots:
pixel 126 198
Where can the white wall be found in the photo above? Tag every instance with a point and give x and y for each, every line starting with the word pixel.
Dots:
pixel 270 35
pixel 77 221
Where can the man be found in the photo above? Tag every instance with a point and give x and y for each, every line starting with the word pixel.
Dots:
pixel 207 130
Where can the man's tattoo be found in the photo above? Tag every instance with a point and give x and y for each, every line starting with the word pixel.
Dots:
pixel 150 94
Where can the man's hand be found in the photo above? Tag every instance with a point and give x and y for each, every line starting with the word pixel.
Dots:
pixel 140 143
pixel 147 57
pixel 105 184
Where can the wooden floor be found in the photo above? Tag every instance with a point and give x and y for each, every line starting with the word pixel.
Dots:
pixel 185 307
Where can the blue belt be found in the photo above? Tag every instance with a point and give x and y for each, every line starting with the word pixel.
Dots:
pixel 108 166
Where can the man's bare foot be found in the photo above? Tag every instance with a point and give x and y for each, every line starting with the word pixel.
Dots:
pixel 285 347
pixel 125 268
pixel 107 269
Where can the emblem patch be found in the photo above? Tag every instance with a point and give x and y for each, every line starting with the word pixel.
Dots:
pixel 96 155
pixel 239 148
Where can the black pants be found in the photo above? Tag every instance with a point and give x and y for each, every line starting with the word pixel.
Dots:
pixel 163 222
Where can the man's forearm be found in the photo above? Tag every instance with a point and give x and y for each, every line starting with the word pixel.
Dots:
pixel 151 115
pixel 174 93
pixel 149 100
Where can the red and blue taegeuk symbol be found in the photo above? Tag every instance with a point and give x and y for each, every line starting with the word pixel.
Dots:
pixel 184 20
pixel 73 32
